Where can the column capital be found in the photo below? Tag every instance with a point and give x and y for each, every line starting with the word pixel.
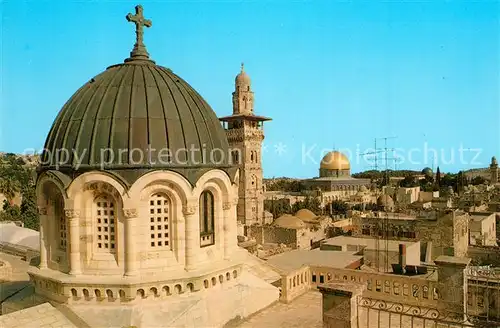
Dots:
pixel 227 205
pixel 42 210
pixel 71 213
pixel 189 209
pixel 130 213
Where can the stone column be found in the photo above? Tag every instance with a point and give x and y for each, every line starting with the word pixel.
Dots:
pixel 452 285
pixel 228 233
pixel 129 214
pixel 42 211
pixel 340 308
pixel 73 221
pixel 191 220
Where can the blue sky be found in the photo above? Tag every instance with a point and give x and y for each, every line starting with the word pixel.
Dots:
pixel 330 74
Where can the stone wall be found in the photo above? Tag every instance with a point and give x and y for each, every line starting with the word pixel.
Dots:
pixel 5 271
pixel 264 234
pixel 484 255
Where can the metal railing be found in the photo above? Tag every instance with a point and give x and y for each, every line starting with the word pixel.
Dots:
pixel 374 313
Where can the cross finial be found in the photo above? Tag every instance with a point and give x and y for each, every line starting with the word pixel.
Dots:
pixel 139 51
pixel 242 67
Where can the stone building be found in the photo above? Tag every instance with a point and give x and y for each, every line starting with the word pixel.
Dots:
pixel 304 230
pixel 482 229
pixel 124 230
pixel 440 233
pixel 244 131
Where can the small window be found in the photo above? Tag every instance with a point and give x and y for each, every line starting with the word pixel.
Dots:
pixel 207 219
pixel 159 204
pixel 105 227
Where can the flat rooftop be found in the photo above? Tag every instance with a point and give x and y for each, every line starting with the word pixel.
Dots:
pixel 293 260
pixel 369 243
pixel 390 216
pixel 476 216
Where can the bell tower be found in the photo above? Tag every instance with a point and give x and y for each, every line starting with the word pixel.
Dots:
pixel 245 133
pixel 493 170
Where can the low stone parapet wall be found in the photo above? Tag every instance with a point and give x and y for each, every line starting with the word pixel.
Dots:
pixel 126 292
pixel 294 284
pixel 391 287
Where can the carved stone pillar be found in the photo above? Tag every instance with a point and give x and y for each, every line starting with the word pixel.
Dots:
pixel 229 230
pixel 42 211
pixel 73 219
pixel 130 253
pixel 191 220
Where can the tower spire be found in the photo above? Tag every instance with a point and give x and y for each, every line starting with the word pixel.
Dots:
pixel 139 52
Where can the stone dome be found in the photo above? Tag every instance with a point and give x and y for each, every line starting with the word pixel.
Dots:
pixel 242 78
pixel 335 160
pixel 305 214
pixel 494 161
pixel 136 115
pixel 427 172
pixel 385 200
pixel 288 221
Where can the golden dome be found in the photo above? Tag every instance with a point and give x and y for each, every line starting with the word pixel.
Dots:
pixel 335 160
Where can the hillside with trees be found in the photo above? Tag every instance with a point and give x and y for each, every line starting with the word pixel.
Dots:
pixel 17 176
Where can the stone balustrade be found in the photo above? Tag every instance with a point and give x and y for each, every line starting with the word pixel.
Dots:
pixel 294 284
pixel 123 292
pixel 390 287
pixel 411 290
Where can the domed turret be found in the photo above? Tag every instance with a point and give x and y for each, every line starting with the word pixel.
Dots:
pixel 136 115
pixel 243 95
pixel 242 79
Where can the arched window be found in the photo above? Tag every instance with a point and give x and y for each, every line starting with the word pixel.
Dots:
pixel 207 219
pixel 251 156
pixel 62 225
pixel 159 222
pixel 105 223
pixel 236 158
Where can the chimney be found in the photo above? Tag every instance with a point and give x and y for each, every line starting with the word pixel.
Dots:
pixel 402 257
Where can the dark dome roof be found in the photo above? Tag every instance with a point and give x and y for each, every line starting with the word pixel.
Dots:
pixel 427 171
pixel 133 107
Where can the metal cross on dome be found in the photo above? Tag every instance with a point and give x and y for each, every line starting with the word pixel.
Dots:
pixel 139 21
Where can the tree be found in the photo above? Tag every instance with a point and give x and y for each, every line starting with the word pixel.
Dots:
pixel 311 203
pixel 339 207
pixel 29 211
pixel 10 212
pixel 408 182
pixel 16 177
pixel 438 178
pixel 9 187
pixel 478 180
pixel 461 181
pixel 277 207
